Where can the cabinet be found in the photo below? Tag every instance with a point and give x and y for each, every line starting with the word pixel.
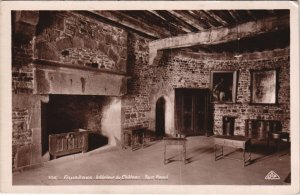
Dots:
pixel 192 111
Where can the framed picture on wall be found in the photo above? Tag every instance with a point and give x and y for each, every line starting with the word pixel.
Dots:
pixel 223 86
pixel 264 86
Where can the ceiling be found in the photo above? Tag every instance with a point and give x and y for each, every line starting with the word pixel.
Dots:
pixel 159 24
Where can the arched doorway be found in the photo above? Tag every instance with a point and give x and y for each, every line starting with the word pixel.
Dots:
pixel 160 117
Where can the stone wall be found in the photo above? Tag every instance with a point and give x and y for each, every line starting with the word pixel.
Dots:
pixel 135 105
pixel 23 30
pixel 26 129
pixel 21 134
pixel 22 79
pixel 22 71
pixel 183 70
pixel 59 38
pixel 71 38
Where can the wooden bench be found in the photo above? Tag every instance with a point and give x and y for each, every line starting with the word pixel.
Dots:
pixel 239 142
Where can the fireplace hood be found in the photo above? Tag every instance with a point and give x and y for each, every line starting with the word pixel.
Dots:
pixel 54 78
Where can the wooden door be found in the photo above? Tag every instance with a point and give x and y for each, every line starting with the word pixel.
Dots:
pixel 192 111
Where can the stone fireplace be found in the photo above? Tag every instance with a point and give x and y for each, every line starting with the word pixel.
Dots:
pixel 79 99
pixel 68 113
pixel 64 99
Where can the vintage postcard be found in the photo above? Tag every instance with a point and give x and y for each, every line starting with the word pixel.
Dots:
pixel 150 97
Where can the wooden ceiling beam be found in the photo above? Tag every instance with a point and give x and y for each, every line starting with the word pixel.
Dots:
pixel 176 21
pixel 171 20
pixel 171 27
pixel 154 21
pixel 213 22
pixel 156 14
pixel 220 35
pixel 218 18
pixel 143 25
pixel 236 20
pixel 202 21
pixel 187 19
pixel 131 24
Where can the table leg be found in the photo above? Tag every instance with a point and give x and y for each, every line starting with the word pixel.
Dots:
pixel 132 141
pixel 250 153
pixel 222 152
pixel 143 139
pixel 215 147
pixel 165 151
pixel 124 139
pixel 244 157
pixel 184 152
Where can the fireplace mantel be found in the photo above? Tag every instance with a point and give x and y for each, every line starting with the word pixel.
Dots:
pixel 53 78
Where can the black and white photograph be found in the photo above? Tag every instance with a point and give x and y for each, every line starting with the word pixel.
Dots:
pixel 197 96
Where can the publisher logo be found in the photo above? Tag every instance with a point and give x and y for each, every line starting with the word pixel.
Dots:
pixel 272 176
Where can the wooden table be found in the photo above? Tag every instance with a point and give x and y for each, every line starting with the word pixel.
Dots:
pixel 175 141
pixel 134 134
pixel 239 142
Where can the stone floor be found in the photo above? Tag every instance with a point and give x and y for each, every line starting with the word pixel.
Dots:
pixel 145 166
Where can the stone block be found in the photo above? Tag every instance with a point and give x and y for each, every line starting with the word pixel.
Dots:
pixel 64 43
pixel 91 44
pixel 77 42
pixel 123 52
pixel 113 55
pixel 47 51
pixel 121 64
pixel 103 47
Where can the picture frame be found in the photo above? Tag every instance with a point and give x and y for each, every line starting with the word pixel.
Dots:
pixel 223 84
pixel 264 86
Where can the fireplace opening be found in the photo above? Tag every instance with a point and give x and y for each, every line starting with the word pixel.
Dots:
pixel 79 117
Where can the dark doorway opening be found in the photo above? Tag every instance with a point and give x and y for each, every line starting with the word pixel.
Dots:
pixel 160 117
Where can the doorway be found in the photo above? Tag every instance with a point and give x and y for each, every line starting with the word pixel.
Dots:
pixel 160 117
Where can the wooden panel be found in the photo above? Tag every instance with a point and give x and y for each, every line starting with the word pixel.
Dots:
pixel 192 111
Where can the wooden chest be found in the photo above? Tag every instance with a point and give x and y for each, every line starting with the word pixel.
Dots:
pixel 68 143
